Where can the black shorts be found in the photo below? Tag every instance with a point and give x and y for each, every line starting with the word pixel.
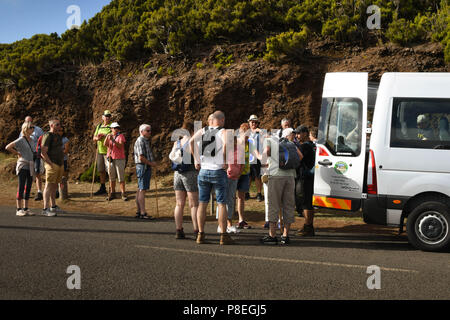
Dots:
pixel 255 170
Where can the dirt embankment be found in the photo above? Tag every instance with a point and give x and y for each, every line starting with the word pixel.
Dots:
pixel 167 91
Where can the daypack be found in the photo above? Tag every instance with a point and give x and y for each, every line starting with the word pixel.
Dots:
pixel 181 167
pixel 209 141
pixel 288 156
pixel 234 169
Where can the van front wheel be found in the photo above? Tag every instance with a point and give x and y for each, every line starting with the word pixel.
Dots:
pixel 428 226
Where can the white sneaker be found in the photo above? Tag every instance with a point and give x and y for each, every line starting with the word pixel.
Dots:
pixel 56 209
pixel 48 213
pixel 20 213
pixel 28 212
pixel 232 229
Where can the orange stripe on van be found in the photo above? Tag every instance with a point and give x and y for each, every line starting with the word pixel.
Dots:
pixel 327 202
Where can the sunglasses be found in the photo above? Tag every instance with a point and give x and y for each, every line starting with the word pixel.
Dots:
pixel 107 115
pixel 148 130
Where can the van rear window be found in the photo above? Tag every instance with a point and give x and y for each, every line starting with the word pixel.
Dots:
pixel 340 127
pixel 420 123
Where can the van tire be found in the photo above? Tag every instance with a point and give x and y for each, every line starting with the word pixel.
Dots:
pixel 428 226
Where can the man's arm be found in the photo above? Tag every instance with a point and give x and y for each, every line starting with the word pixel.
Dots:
pixel 192 149
pixel 144 160
pixel 44 150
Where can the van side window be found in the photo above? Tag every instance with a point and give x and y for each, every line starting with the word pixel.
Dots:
pixel 340 128
pixel 420 123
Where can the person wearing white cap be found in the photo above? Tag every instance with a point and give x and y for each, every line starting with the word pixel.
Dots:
pixel 280 185
pixel 424 131
pixel 115 142
pixel 255 166
pixel 101 131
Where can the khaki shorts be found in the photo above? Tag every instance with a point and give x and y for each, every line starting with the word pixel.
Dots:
pixel 101 162
pixel 116 170
pixel 53 174
pixel 281 197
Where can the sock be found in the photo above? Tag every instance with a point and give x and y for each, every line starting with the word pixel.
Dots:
pixel 25 209
pixel 18 209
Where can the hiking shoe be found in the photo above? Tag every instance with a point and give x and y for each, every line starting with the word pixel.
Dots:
pixel 180 234
pixel 285 240
pixel 269 240
pixel 232 229
pixel 124 197
pixel 247 196
pixel 307 231
pixel 56 209
pixel 200 237
pixel 110 197
pixel 259 197
pixel 39 196
pixel 225 239
pixel 100 192
pixel 20 212
pixel 48 213
pixel 243 225
pixel 28 212
pixel 266 225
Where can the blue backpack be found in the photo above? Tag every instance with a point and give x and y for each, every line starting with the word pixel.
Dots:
pixel 181 167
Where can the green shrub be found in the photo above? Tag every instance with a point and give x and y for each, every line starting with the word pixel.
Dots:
pixel 290 44
pixel 223 60
pixel 87 175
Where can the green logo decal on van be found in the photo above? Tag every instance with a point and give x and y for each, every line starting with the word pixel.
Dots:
pixel 341 167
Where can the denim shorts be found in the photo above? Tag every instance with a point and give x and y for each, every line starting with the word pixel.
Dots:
pixel 143 174
pixel 208 179
pixel 243 184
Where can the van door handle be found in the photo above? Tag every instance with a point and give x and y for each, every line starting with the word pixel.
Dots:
pixel 325 163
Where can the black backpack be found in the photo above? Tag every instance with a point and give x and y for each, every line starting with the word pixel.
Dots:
pixel 288 156
pixel 209 141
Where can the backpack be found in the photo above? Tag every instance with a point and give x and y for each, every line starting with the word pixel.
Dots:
pixel 209 141
pixel 288 156
pixel 234 169
pixel 180 166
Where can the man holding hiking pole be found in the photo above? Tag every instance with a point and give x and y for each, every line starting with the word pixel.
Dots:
pixel 143 157
pixel 101 131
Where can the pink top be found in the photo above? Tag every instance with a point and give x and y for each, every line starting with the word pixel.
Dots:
pixel 114 151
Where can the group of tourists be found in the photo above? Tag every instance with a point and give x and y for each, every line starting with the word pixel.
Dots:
pixel 208 162
pixel 224 162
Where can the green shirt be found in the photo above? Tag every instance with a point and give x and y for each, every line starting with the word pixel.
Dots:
pixel 102 149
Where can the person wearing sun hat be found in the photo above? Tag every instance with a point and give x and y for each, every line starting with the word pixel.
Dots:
pixel 115 142
pixel 101 131
pixel 255 166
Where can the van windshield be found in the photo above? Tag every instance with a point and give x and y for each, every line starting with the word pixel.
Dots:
pixel 340 128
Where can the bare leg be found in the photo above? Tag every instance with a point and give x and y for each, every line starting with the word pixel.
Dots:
pixel 201 216
pixel 193 204
pixel 178 213
pixel 222 216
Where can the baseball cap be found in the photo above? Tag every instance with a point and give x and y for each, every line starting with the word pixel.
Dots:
pixel 301 129
pixel 287 132
pixel 253 117
pixel 114 125
pixel 107 113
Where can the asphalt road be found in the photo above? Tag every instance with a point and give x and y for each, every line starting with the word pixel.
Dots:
pixel 124 258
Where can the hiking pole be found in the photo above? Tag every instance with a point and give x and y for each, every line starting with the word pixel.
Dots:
pixel 93 172
pixel 109 177
pixel 156 196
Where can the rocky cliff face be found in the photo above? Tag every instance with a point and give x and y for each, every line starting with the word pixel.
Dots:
pixel 167 91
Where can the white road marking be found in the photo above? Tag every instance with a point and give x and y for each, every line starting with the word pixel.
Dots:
pixel 330 264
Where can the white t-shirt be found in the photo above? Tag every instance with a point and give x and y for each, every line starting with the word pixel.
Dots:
pixel 216 162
